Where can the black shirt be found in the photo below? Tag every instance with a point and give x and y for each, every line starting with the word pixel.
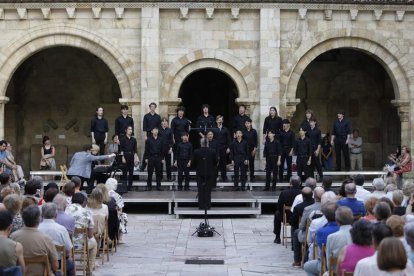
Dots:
pixel 205 122
pixel 272 148
pixel 153 147
pixel 305 125
pixel 122 123
pixel 251 137
pixel 213 145
pixel 166 135
pixel 205 163
pixel 99 126
pixel 341 128
pixel 287 139
pixel 275 124
pixel 128 145
pixel 239 149
pixel 150 121
pixel 222 136
pixel 179 126
pixel 315 137
pixel 239 122
pixel 303 147
pixel 298 212
pixel 184 151
pixel 287 197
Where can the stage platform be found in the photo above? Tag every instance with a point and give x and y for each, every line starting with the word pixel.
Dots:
pixel 223 202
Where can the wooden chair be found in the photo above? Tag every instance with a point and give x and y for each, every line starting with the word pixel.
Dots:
pixel 40 260
pixel 332 265
pixel 323 259
pixel 285 225
pixel 315 247
pixel 101 235
pixel 347 273
pixel 60 249
pixel 305 242
pixel 81 255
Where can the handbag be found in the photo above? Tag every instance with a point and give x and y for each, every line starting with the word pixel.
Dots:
pixel 44 164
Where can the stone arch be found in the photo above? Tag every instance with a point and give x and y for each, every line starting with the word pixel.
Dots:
pixel 63 34
pixel 382 49
pixel 235 68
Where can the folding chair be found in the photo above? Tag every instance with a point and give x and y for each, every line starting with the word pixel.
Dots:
pixel 82 254
pixel 42 260
pixel 323 260
pixel 347 273
pixel 101 235
pixel 62 253
pixel 305 243
pixel 285 236
pixel 332 264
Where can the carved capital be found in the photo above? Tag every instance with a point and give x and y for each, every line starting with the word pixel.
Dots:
pixel 328 15
pixel 377 14
pixel 46 13
pixel 22 12
pixel 353 13
pixel 403 108
pixel 71 12
pixel 235 12
pixel 129 101
pixel 399 15
pixel 291 107
pixel 184 13
pixel 302 13
pixel 96 12
pixel 209 13
pixel 119 12
pixel 171 104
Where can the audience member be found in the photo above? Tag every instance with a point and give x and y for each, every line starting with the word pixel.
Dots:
pixel 286 198
pixel 389 202
pixel 62 218
pixel 341 192
pixel 34 242
pixel 27 201
pixel 338 240
pixel 382 211
pixel 5 192
pixel 361 193
pixel 11 252
pixel 409 237
pixel 33 189
pixel 4 180
pixel 397 199
pixel 313 267
pixel 13 204
pixel 95 203
pixel 408 190
pixel 50 194
pixel 369 207
pixel 112 184
pixel 49 186
pixel 69 191
pixel 57 233
pixel 350 200
pixel 294 223
pixel 327 183
pixel 389 189
pixel 392 258
pixel 360 248
pixel 396 223
pixel 83 219
pixel 311 183
pixel 379 186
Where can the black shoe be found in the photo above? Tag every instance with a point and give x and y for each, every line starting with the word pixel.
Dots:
pixel 252 179
pixel 277 241
pixel 169 178
pixel 273 188
pixel 149 188
pixel 186 188
pixel 180 188
pixel 243 189
pixel 266 189
pixel 159 188
pixel 236 189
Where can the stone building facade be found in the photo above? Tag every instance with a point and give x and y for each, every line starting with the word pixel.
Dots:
pixel 61 60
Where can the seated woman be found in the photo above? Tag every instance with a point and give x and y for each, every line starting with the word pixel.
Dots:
pixel 111 184
pixel 392 258
pixel 361 247
pixel 47 162
pixel 369 207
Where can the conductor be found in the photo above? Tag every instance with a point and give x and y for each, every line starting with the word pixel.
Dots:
pixel 205 162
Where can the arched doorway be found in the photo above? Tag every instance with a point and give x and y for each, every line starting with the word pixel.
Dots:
pixel 212 87
pixel 356 82
pixel 55 92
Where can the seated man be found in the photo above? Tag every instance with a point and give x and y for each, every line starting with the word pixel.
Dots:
pixel 314 267
pixel 62 218
pixel 357 207
pixel 57 233
pixel 83 219
pixel 34 242
pixel 11 252
pixel 361 193
pixel 17 169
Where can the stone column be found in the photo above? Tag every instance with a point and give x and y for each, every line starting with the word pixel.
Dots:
pixel 269 88
pixel 150 60
pixel 3 101
pixel 403 109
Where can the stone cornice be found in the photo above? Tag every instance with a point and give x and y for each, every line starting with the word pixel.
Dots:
pixel 370 5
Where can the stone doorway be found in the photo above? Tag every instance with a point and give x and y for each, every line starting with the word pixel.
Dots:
pixel 212 87
pixel 356 82
pixel 55 92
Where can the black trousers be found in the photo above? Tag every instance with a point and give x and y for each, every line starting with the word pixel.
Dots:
pixel 285 157
pixel 302 167
pixel 315 163
pixel 277 223
pixel 204 191
pixel 100 141
pixel 271 168
pixel 341 147
pixel 251 164
pixel 128 169
pixel 223 163
pixel 154 163
pixel 167 158
pixel 183 173
pixel 240 171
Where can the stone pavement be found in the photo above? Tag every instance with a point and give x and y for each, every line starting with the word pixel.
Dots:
pixel 160 244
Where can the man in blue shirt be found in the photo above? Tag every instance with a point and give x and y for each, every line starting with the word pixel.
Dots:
pixel 357 207
pixel 313 267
